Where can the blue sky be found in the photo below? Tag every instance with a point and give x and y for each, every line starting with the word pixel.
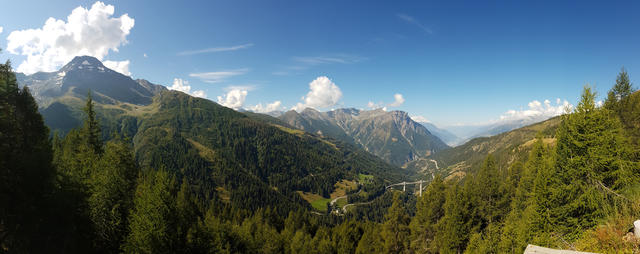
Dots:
pixel 452 62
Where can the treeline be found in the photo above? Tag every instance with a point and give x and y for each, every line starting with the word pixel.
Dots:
pixel 555 198
pixel 80 194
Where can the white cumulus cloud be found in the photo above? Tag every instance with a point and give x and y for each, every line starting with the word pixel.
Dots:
pixel 398 100
pixel 373 105
pixel 270 107
pixel 1 29
pixel 119 66
pixel 420 119
pixel 233 99
pixel 199 93
pixel 92 32
pixel 537 111
pixel 322 93
pixel 183 86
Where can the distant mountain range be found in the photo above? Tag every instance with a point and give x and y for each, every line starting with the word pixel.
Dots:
pixel 453 135
pixel 506 147
pixel 245 159
pixel 465 133
pixel 446 136
pixel 123 104
pixel 392 136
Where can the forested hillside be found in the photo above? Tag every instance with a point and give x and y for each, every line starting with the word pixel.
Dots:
pixel 185 175
pixel 214 145
pixel 250 160
pixel 579 192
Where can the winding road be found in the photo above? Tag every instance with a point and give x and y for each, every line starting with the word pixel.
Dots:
pixel 344 208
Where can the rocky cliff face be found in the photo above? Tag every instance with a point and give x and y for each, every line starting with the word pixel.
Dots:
pixel 84 74
pixel 393 136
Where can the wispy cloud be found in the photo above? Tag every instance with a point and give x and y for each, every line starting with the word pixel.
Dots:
pixel 340 59
pixel 305 62
pixel 414 21
pixel 216 49
pixel 218 76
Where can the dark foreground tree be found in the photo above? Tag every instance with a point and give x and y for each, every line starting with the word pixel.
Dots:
pixel 26 173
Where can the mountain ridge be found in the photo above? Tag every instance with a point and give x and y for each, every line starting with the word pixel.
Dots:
pixel 83 74
pixel 253 160
pixel 393 135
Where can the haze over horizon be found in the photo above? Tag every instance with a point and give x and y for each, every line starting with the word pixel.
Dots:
pixel 486 64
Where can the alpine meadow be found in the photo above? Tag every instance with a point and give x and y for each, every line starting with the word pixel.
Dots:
pixel 319 127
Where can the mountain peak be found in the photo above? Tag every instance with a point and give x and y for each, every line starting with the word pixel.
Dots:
pixel 391 135
pixel 81 62
pixel 86 73
pixel 350 111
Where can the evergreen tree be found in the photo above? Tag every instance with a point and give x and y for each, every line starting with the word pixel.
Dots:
pixel 213 235
pixel 371 241
pixel 592 166
pixel 454 228
pixel 537 220
pixel 429 210
pixel 347 234
pixel 187 214
pixel 395 229
pixel 625 103
pixel 322 242
pixel 518 230
pixel 26 172
pixel 152 223
pixel 300 243
pixel 112 189
pixel 486 241
pixel 619 93
pixel 487 193
pixel 91 128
